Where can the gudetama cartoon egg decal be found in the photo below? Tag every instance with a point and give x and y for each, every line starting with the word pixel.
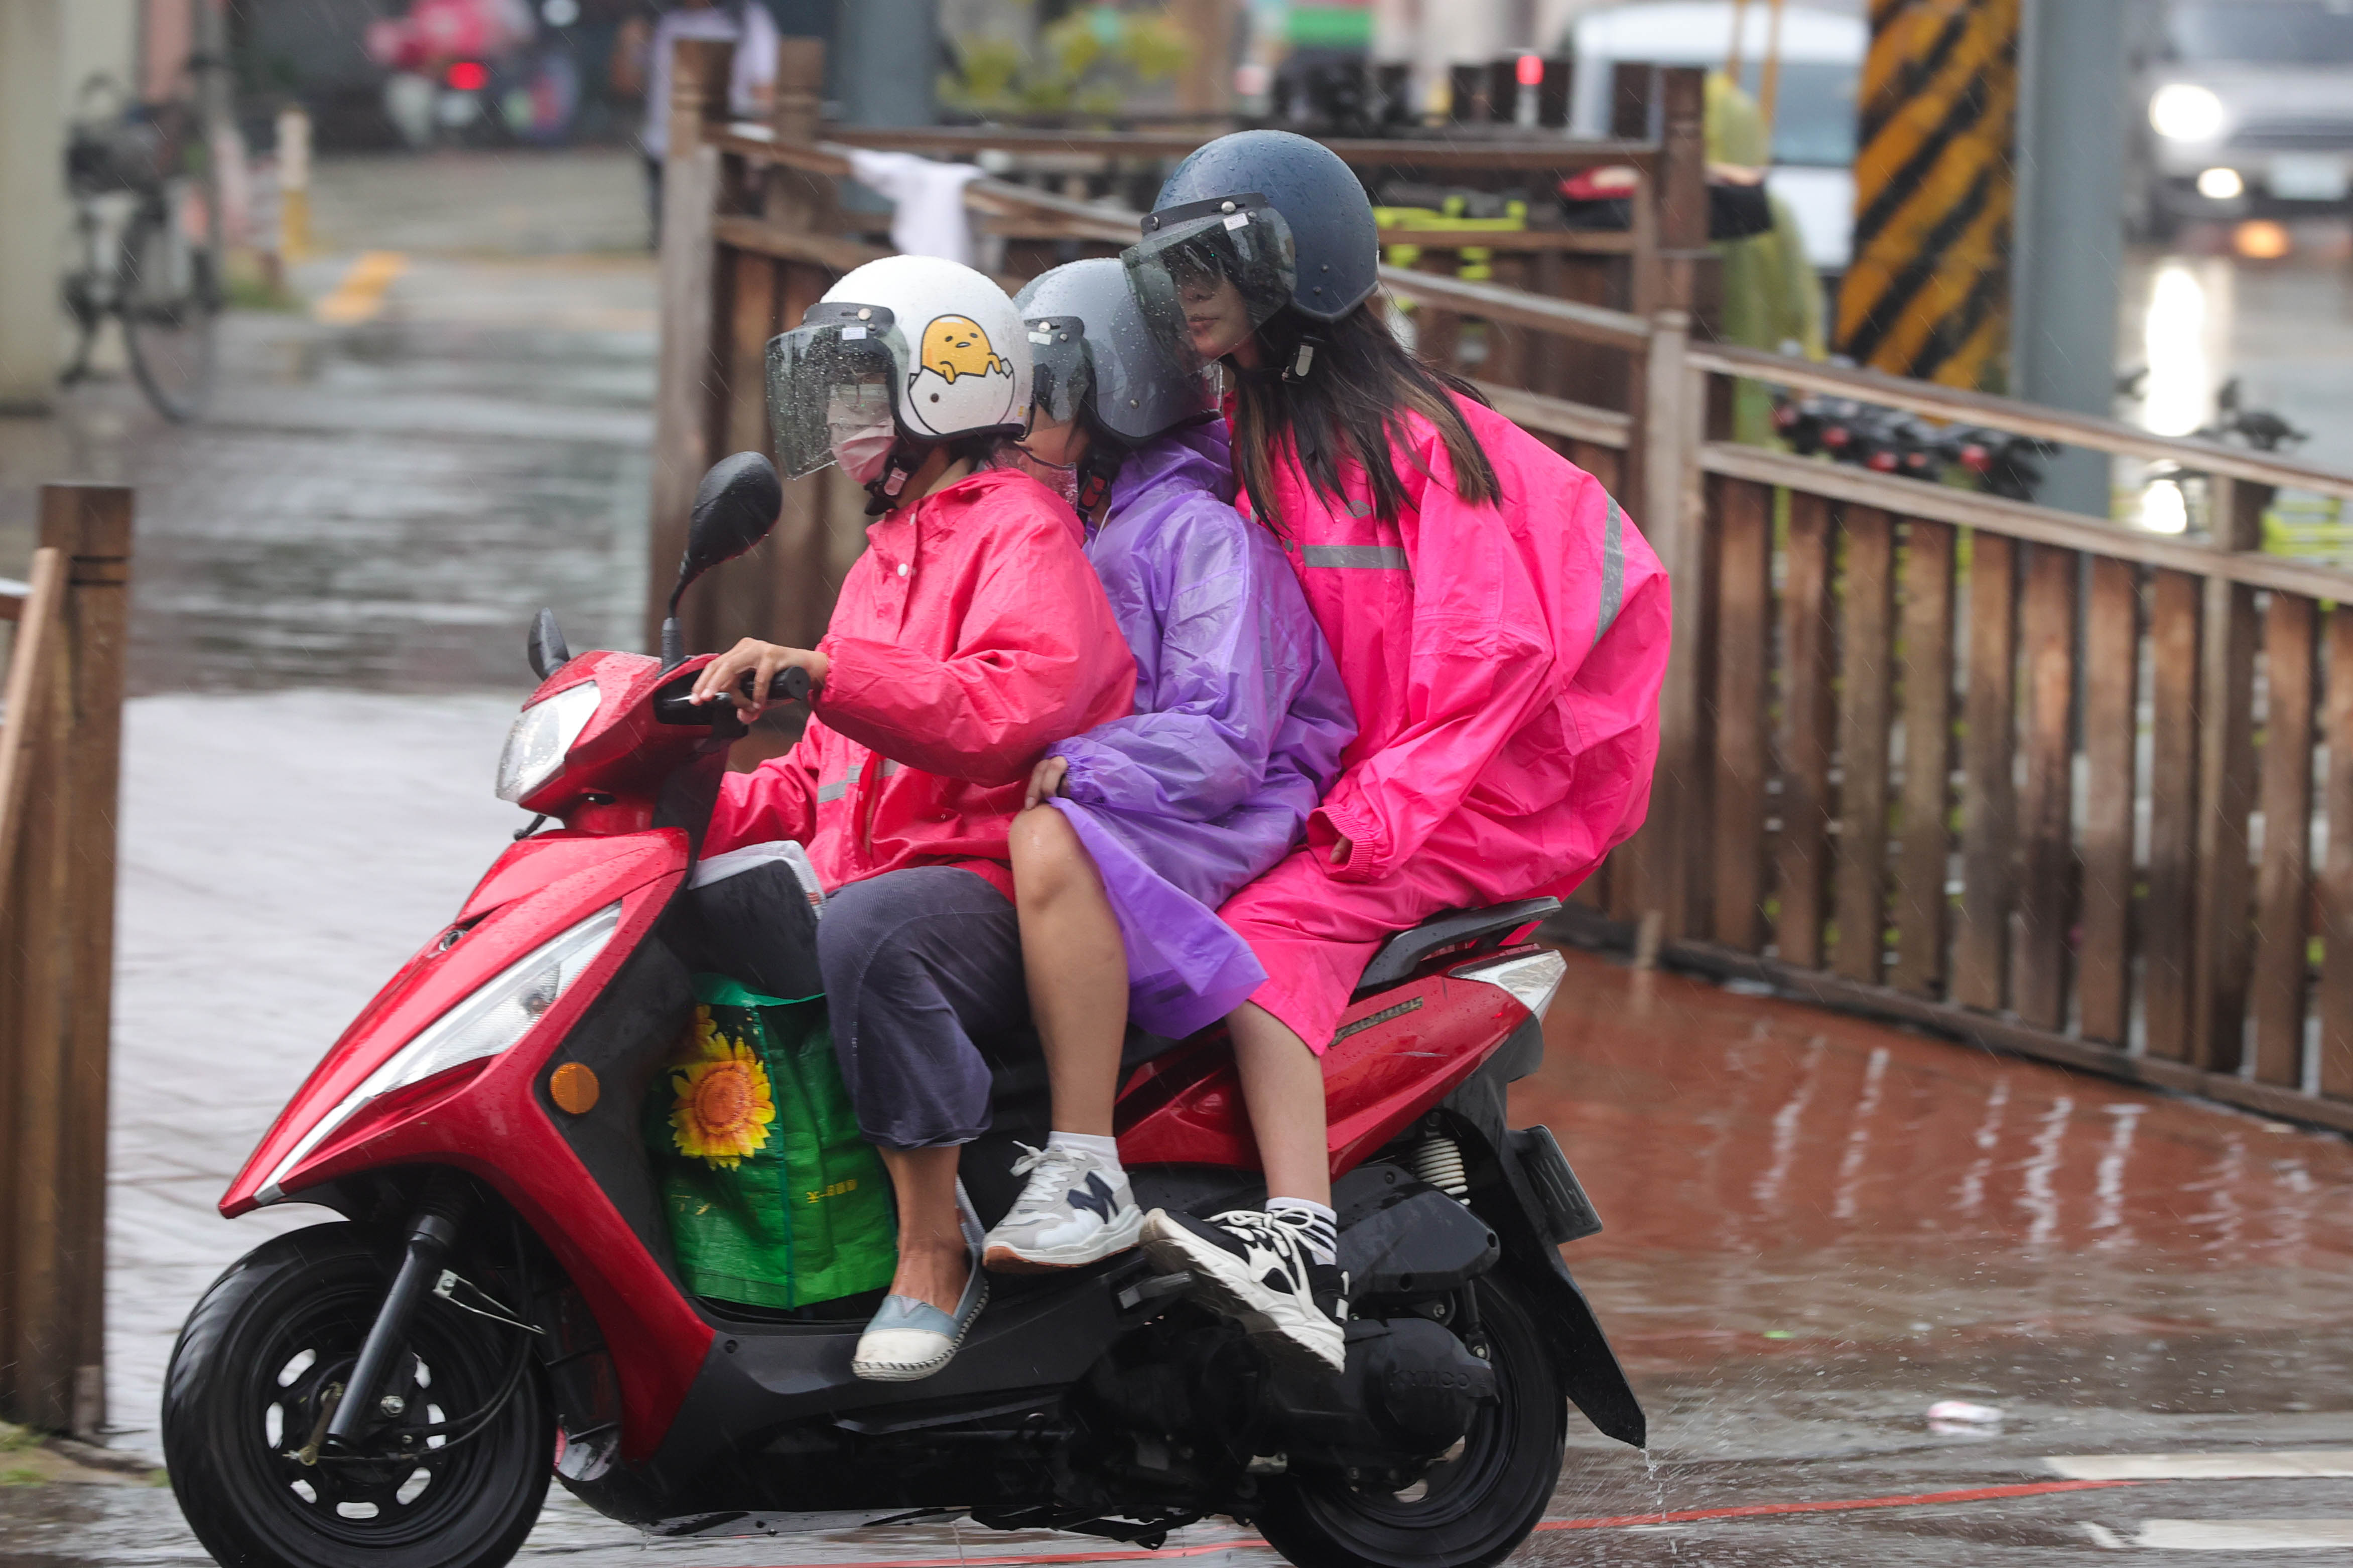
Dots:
pixel 962 384
pixel 955 345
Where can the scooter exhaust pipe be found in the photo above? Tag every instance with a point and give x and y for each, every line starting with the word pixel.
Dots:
pixel 432 1234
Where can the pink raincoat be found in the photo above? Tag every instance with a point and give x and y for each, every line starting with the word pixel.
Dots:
pixel 1504 664
pixel 970 636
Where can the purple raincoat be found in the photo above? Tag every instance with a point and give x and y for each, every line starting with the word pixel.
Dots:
pixel 1240 718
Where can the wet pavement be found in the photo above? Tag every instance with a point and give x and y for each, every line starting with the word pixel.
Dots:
pixel 1817 1228
pixel 380 498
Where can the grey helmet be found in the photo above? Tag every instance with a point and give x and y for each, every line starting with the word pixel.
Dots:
pixel 1282 217
pixel 1097 361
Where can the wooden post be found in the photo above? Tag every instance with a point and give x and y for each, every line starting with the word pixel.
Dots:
pixel 1205 86
pixel 2226 792
pixel 1664 456
pixel 29 1073
pixel 56 952
pixel 1866 700
pixel 799 553
pixel 1743 687
pixel 1989 803
pixel 1927 666
pixel 1666 462
pixel 1808 722
pixel 2111 766
pixel 684 404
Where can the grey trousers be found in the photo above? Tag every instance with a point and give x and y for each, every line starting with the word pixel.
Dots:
pixel 919 965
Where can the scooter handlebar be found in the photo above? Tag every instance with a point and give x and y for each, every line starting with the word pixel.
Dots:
pixel 790 686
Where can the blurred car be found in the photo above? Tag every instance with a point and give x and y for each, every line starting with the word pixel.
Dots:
pixel 1814 120
pixel 2247 110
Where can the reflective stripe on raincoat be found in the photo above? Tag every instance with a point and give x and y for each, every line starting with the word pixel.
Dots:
pixel 1504 665
pixel 1241 718
pixel 970 636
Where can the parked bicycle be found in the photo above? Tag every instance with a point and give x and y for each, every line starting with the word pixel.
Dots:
pixel 147 232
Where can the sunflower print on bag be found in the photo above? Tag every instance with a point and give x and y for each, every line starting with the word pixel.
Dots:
pixel 724 1106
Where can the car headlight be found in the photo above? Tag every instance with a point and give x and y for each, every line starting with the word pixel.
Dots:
pixel 541 736
pixel 494 1017
pixel 2184 112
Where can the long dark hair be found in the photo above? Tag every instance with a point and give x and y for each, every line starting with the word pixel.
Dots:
pixel 1351 403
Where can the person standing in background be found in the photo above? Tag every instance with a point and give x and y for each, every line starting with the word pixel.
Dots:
pixel 751 86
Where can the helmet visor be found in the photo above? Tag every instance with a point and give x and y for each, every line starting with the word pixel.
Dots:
pixel 829 390
pixel 1208 273
pixel 1061 377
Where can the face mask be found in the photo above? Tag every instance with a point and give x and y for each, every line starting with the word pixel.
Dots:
pixel 862 452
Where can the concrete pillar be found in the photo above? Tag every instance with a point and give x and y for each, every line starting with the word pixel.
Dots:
pixel 33 241
pixel 2072 125
pixel 100 38
pixel 886 62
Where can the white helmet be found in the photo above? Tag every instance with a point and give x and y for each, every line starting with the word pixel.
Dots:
pixel 900 355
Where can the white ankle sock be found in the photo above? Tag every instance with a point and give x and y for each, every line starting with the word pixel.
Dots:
pixel 1101 1148
pixel 1322 1230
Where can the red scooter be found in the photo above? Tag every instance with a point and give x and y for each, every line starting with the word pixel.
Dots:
pixel 390 1389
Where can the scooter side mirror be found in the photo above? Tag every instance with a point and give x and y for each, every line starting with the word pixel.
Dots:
pixel 545 646
pixel 735 507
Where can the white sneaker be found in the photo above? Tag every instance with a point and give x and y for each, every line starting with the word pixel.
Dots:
pixel 1077 1208
pixel 1254 1266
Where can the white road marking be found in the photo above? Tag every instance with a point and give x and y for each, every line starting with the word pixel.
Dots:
pixel 2244 1534
pixel 2314 1462
pixel 2103 1538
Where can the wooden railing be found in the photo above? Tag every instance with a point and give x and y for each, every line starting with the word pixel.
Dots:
pixel 60 765
pixel 2028 777
pixel 755 232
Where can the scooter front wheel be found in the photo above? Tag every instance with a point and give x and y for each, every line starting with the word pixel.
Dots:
pixel 255 1375
pixel 1471 1510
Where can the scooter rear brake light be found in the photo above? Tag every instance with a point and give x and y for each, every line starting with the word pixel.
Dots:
pixel 1531 978
pixel 493 1017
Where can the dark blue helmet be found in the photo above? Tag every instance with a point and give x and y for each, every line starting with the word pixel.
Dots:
pixel 1335 245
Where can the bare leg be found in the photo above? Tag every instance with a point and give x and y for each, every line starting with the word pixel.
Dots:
pixel 1076 967
pixel 934 1260
pixel 1282 1084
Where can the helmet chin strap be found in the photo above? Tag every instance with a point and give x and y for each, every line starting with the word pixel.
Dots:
pixel 887 490
pixel 1097 470
pixel 1304 361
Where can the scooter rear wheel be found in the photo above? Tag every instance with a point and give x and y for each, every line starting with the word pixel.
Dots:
pixel 1469 1513
pixel 248 1385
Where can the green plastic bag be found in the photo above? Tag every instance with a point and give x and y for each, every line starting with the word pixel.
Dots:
pixel 774 1198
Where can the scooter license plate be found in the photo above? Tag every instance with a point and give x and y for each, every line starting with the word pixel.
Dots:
pixel 2308 177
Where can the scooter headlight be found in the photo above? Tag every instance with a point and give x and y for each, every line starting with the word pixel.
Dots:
pixel 542 738
pixel 497 1015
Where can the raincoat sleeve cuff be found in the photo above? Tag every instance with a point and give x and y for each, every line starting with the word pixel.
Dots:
pixel 841 686
pixel 1368 851
pixel 1080 783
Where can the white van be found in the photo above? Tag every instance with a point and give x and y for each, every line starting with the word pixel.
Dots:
pixel 1814 125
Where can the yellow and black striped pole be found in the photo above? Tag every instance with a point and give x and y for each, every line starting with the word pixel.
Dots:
pixel 1927 291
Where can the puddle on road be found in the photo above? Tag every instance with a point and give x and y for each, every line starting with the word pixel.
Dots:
pixel 1836 1188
